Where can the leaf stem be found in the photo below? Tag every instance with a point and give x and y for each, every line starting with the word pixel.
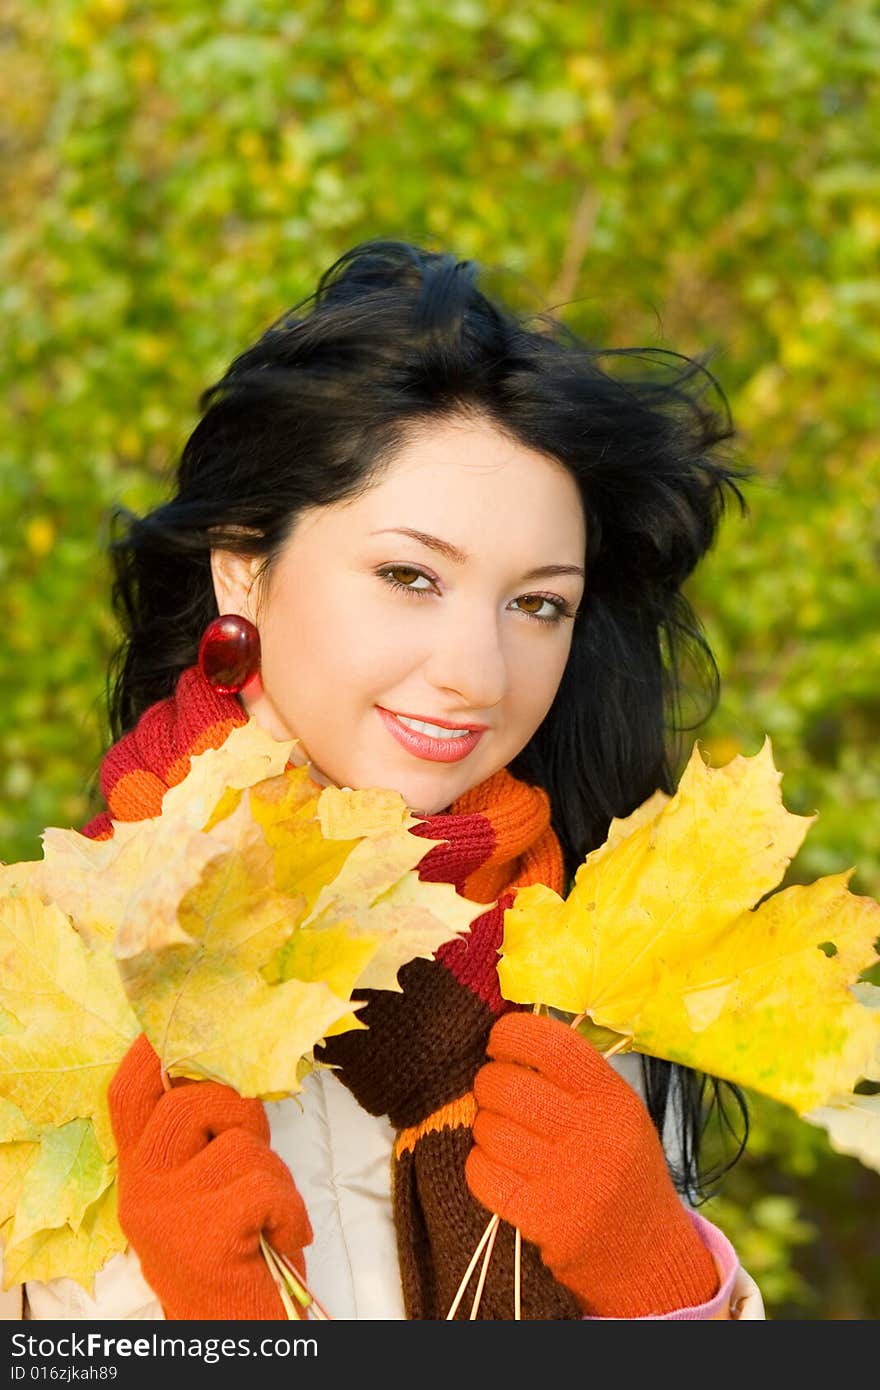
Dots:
pixel 290 1281
pixel 485 1269
pixel 317 1309
pixel 490 1232
pixel 493 1222
pixel 280 1284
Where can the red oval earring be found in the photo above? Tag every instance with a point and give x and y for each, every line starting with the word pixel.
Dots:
pixel 229 653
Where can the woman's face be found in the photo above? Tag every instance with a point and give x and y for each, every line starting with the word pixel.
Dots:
pixel 444 594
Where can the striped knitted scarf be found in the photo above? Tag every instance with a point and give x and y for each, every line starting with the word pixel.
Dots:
pixel 417 1058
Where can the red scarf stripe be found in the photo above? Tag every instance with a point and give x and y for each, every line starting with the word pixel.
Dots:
pixel 460 862
pixel 510 840
pixel 135 792
pixel 514 809
pixel 100 827
pixel 473 959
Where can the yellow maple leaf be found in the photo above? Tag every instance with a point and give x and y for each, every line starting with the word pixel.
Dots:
pixel 303 858
pixel 95 881
pixel 664 940
pixel 377 891
pixel 763 1004
pixel 199 992
pixel 344 812
pixel 852 1123
pixel 72 1026
pixel 59 1251
pixel 337 954
pixel 19 1148
pixel 312 896
pixel 68 1176
pixel 74 1023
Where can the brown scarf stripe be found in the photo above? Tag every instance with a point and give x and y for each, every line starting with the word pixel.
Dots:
pixel 429 1039
pixel 439 1228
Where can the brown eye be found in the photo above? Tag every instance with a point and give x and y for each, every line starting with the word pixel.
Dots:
pixel 404 574
pixel 531 604
pixel 534 599
pixel 403 577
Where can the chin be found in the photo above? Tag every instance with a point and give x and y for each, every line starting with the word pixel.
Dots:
pixel 430 809
pixel 433 806
pixel 424 807
pixel 422 800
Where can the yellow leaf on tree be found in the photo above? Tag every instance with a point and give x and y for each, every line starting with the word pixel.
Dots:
pixel 661 941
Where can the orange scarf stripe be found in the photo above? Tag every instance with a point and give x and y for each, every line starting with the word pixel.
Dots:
pixel 526 849
pixel 543 863
pixel 137 795
pixel 457 1114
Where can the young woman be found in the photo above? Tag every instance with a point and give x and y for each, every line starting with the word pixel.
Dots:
pixel 449 549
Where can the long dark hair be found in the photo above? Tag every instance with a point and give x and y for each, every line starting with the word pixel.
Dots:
pixel 395 334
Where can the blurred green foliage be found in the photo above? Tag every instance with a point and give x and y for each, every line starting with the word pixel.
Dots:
pixel 698 175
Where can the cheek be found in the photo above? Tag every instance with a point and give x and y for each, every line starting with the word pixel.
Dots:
pixel 299 656
pixel 536 681
pixel 332 649
pixel 378 644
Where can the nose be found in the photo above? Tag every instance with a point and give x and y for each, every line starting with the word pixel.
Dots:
pixel 467 657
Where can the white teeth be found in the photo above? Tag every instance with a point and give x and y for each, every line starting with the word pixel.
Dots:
pixel 433 730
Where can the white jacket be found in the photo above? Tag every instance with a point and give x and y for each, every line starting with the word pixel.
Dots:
pixel 340 1157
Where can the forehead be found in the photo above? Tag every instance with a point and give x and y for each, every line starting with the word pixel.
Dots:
pixel 475 486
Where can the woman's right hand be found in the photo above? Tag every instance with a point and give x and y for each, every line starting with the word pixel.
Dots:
pixel 198 1184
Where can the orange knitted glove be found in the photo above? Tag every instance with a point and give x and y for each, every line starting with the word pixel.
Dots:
pixel 565 1150
pixel 197 1184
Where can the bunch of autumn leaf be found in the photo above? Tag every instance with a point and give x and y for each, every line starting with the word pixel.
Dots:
pixel 234 928
pixel 672 943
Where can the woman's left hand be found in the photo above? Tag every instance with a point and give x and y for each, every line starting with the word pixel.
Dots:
pixel 565 1150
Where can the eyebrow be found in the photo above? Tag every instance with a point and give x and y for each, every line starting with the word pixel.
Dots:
pixel 452 552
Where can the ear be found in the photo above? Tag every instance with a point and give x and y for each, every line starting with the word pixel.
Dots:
pixel 233 576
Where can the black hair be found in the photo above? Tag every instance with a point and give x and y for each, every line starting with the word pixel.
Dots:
pixel 393 336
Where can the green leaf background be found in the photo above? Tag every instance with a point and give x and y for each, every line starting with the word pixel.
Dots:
pixel 693 175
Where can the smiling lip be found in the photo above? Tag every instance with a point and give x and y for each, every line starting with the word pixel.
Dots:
pixel 435 750
pixel 426 719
